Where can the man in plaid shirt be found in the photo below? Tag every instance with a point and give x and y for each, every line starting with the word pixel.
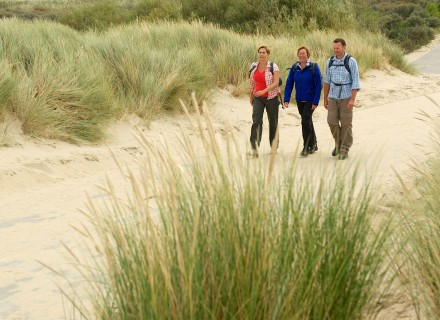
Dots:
pixel 341 84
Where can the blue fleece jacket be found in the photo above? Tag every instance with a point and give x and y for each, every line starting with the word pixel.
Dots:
pixel 308 88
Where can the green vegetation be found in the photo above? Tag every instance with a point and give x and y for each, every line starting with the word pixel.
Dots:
pixel 410 24
pixel 269 16
pixel 62 84
pixel 48 83
pixel 223 238
pixel 421 227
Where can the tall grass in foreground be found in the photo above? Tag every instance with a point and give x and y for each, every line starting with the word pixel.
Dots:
pixel 422 233
pixel 210 235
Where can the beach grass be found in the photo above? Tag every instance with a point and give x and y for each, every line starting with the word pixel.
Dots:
pixel 420 232
pixel 206 234
pixel 57 88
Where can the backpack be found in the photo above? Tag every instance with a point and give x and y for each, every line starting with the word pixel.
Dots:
pixel 280 82
pixel 346 65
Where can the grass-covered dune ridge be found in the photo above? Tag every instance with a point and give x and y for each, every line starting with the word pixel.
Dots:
pixel 65 85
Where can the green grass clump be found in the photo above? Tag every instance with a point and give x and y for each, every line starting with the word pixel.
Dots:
pixel 97 16
pixel 7 85
pixel 208 235
pixel 421 232
pixel 57 87
pixel 152 66
pixel 72 108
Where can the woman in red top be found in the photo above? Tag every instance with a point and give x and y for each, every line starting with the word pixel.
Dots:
pixel 264 92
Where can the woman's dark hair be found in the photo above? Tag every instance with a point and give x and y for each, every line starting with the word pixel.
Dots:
pixel 305 48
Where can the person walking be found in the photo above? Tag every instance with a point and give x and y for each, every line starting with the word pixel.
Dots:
pixel 341 84
pixel 305 76
pixel 264 78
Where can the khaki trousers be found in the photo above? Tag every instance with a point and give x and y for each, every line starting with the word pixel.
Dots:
pixel 339 119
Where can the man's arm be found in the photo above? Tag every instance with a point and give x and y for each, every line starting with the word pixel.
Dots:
pixel 326 91
pixel 352 99
pixel 327 80
pixel 355 86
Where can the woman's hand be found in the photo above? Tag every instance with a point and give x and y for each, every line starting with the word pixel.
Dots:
pixel 286 105
pixel 259 93
pixel 314 106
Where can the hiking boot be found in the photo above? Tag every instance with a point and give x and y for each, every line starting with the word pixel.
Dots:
pixel 343 156
pixel 273 149
pixel 313 149
pixel 252 153
pixel 304 153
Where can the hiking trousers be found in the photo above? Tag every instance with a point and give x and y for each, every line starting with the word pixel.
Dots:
pixel 339 119
pixel 308 131
pixel 272 108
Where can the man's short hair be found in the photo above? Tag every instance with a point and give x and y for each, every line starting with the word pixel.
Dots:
pixel 341 41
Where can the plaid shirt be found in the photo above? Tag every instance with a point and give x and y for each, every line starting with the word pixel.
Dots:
pixel 269 79
pixel 340 81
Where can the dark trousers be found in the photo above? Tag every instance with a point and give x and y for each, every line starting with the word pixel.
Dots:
pixel 308 131
pixel 272 108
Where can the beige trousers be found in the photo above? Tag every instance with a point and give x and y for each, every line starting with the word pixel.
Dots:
pixel 339 119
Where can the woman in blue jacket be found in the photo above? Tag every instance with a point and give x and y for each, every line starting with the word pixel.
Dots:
pixel 305 76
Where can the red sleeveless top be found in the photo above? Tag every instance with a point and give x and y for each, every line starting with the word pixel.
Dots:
pixel 260 81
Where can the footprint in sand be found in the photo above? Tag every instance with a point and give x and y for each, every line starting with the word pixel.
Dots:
pixel 91 157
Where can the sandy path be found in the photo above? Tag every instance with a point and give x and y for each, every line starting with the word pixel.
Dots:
pixel 43 184
pixel 34 222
